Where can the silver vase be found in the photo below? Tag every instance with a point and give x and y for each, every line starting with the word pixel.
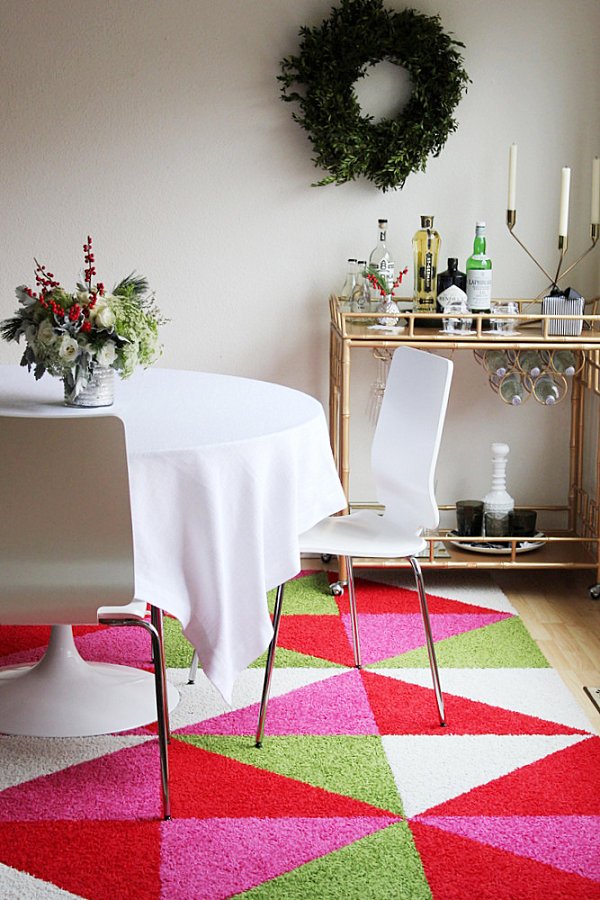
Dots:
pixel 100 390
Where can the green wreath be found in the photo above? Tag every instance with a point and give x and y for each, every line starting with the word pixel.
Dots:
pixel 332 57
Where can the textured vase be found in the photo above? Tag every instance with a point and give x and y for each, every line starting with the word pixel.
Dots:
pixel 388 306
pixel 100 390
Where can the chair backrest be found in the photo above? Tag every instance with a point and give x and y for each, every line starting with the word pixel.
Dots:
pixel 66 545
pixel 407 437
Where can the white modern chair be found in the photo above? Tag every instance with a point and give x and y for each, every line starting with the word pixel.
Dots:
pixel 403 458
pixel 66 557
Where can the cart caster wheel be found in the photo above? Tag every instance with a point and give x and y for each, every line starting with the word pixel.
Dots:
pixel 594 591
pixel 325 557
pixel 337 589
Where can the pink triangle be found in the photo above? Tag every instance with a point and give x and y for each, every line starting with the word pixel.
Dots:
pixel 123 785
pixel 337 705
pixel 384 635
pixel 218 858
pixel 569 843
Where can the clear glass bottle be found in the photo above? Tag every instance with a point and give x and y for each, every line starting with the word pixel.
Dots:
pixel 361 293
pixel 345 295
pixel 549 389
pixel 533 362
pixel 499 362
pixel 380 257
pixel 479 275
pixel 567 362
pixel 426 247
pixel 514 388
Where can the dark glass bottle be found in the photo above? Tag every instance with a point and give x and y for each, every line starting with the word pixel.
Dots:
pixel 450 278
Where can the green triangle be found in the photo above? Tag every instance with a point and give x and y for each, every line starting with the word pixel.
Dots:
pixel 292 659
pixel 178 650
pixel 384 864
pixel 352 765
pixel 502 645
pixel 307 595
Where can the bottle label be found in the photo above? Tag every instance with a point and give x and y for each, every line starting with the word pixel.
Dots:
pixel 386 270
pixel 479 288
pixel 451 293
pixel 428 273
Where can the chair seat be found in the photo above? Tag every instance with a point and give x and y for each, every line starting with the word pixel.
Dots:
pixel 365 533
pixel 137 609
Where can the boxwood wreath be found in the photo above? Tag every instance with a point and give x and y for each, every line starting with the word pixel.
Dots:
pixel 333 56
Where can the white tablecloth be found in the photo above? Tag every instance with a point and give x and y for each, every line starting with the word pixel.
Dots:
pixel 225 473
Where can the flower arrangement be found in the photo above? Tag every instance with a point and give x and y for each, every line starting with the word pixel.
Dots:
pixel 380 283
pixel 69 334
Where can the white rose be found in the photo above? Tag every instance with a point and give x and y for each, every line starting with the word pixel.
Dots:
pixel 102 315
pixel 46 336
pixel 107 354
pixel 68 349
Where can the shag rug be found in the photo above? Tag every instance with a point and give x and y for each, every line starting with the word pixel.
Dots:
pixel 357 791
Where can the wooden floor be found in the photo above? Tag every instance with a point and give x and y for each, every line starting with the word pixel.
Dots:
pixel 565 622
pixel 559 614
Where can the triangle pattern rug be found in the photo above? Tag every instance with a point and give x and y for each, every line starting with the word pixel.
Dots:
pixel 357 792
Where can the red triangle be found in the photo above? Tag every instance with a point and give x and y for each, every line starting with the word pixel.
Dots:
pixel 321 636
pixel 89 859
pixel 208 785
pixel 564 783
pixel 372 597
pixel 16 638
pixel 457 868
pixel 403 708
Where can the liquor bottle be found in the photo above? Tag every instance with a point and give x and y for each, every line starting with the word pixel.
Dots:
pixel 451 285
pixel 549 388
pixel 380 257
pixel 533 362
pixel 361 294
pixel 426 247
pixel 479 276
pixel 350 283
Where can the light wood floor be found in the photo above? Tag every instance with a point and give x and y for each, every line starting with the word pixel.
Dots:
pixel 559 614
pixel 565 622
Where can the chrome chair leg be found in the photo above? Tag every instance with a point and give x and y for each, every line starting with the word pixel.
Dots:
pixel 428 637
pixel 160 687
pixel 269 666
pixel 353 612
pixel 193 669
pixel 156 617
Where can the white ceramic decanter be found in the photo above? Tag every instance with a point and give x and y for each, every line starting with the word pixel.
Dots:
pixel 498 504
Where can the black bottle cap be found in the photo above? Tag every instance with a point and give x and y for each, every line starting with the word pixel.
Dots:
pixel 452 263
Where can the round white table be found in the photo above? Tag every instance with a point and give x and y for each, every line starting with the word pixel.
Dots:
pixel 225 473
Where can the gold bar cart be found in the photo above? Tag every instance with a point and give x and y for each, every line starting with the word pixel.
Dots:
pixel 575 547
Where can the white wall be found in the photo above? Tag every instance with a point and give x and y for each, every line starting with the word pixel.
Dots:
pixel 155 126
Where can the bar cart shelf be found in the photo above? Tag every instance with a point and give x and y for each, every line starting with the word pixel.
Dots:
pixel 575 547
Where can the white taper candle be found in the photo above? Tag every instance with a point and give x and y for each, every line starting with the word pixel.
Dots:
pixel 595 217
pixel 565 186
pixel 512 177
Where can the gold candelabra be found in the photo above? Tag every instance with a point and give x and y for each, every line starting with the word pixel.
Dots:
pixel 511 217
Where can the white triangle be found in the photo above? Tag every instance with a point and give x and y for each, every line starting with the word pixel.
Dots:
pixel 477 588
pixel 533 692
pixel 429 770
pixel 24 758
pixel 15 885
pixel 201 701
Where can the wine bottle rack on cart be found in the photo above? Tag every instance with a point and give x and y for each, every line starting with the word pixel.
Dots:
pixel 577 546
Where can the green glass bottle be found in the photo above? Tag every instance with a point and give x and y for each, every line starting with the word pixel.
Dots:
pixel 479 276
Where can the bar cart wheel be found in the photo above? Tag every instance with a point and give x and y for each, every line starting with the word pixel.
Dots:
pixel 594 591
pixel 337 588
pixel 325 557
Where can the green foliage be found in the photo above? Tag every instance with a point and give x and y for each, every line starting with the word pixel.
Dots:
pixel 333 56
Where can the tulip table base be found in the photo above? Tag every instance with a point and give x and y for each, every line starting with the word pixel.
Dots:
pixel 63 695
